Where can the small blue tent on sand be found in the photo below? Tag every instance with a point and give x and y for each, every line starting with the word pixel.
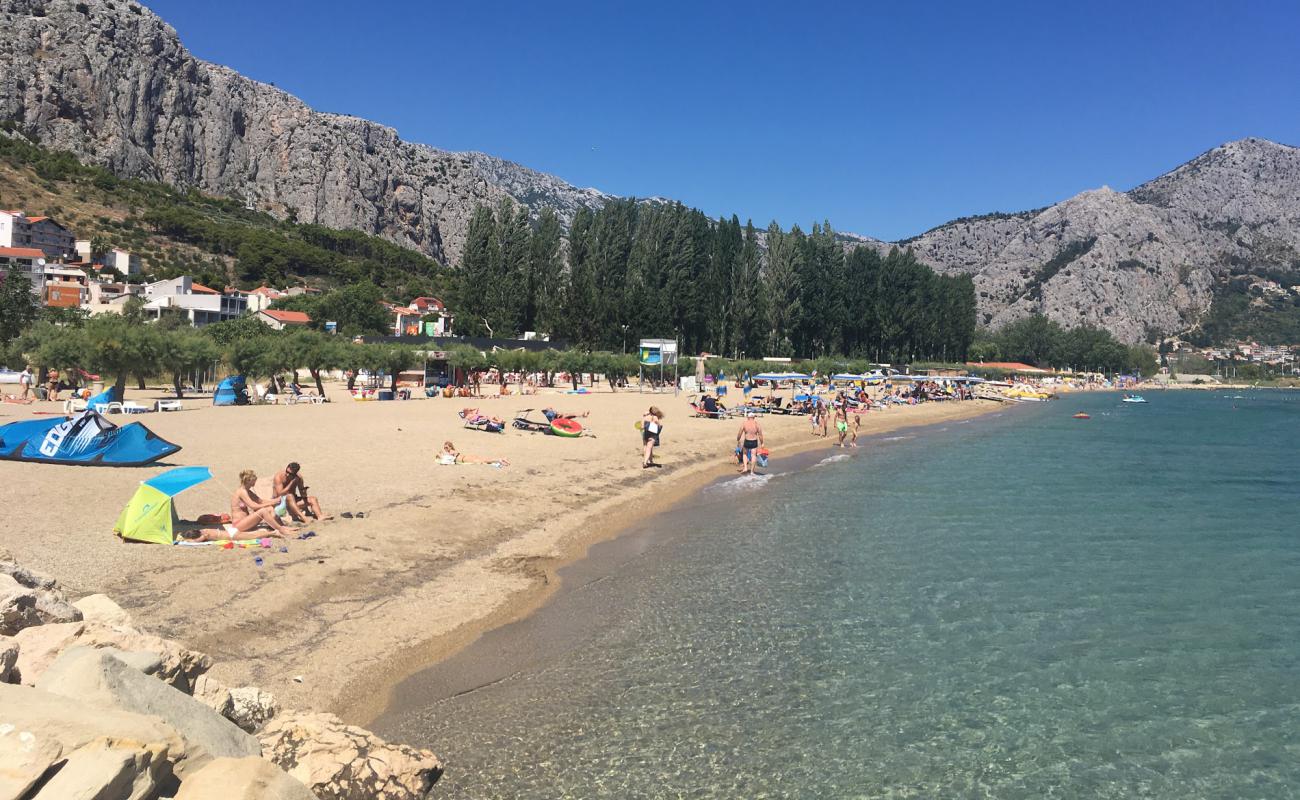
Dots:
pixel 232 391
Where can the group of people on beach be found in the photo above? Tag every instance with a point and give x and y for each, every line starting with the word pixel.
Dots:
pixel 249 511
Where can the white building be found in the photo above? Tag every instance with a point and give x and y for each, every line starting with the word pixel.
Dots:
pixel 202 305
pixel 124 261
pixel 26 260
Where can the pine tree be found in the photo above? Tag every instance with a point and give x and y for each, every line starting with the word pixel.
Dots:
pixel 781 279
pixel 545 287
pixel 750 310
pixel 477 265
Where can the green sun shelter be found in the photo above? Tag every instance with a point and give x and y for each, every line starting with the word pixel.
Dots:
pixel 151 516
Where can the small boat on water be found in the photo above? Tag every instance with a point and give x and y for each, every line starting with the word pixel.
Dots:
pixel 1082 415
pixel 1132 398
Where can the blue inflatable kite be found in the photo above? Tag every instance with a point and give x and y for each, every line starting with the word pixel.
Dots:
pixel 85 440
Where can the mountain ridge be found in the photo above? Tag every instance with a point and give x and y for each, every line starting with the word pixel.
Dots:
pixel 112 83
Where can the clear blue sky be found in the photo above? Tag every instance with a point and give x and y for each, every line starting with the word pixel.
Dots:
pixel 885 118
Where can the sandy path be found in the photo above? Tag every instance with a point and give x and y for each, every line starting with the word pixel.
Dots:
pixel 443 553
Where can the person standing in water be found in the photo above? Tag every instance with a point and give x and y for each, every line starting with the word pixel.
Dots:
pixel 750 438
pixel 841 420
pixel 651 424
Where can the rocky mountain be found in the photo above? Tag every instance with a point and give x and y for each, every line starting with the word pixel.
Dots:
pixel 111 82
pixel 1138 262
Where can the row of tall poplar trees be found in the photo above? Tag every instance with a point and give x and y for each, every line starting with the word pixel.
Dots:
pixel 638 269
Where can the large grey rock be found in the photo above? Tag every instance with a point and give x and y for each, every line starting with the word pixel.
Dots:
pixel 109 770
pixel 42 722
pixel 242 779
pixel 98 678
pixel 343 762
pixel 41 645
pixel 8 658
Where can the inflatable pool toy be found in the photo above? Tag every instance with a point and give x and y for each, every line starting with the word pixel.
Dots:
pixel 1082 415
pixel 563 426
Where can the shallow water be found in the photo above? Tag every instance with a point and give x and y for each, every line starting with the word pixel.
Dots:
pixel 1028 606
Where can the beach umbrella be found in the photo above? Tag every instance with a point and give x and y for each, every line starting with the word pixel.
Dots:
pixel 150 515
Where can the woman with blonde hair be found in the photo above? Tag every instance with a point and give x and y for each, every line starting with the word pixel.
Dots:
pixel 651 424
pixel 248 510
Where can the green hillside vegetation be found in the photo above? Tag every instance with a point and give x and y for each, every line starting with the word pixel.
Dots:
pixel 215 239
pixel 1240 314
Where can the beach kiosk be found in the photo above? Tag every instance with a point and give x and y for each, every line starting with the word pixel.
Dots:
pixel 657 353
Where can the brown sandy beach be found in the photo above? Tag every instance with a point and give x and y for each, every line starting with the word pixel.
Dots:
pixel 443 553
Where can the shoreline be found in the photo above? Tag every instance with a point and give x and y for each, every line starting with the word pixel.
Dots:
pixel 442 555
pixel 688 482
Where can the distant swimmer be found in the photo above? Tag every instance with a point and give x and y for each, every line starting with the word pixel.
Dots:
pixel 750 438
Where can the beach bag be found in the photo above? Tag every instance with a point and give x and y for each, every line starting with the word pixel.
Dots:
pixel 762 456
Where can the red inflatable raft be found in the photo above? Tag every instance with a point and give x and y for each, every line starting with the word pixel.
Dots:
pixel 563 426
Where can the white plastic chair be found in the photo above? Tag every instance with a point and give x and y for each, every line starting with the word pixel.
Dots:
pixel 74 405
pixel 169 405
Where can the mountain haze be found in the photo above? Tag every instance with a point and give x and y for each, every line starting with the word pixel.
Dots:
pixel 112 83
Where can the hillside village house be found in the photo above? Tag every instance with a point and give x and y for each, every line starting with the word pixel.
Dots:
pixel 413 319
pixel 200 303
pixel 28 261
pixel 41 233
pixel 124 261
pixel 279 319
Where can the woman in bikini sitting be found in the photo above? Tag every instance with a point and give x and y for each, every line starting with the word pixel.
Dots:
pixel 247 510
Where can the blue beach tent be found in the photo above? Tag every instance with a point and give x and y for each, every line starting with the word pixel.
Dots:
pixel 232 391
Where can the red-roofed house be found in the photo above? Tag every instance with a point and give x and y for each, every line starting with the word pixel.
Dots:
pixel 1010 366
pixel 198 288
pixel 426 305
pixel 280 319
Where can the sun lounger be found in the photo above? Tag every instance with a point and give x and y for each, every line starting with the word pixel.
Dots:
pixel 132 407
pixel 523 423
pixel 108 408
pixel 74 405
pixel 169 405
pixel 701 412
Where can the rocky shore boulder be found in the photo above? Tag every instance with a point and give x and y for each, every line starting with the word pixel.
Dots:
pixel 39 646
pixel 242 779
pixel 108 768
pixel 99 678
pixel 95 709
pixel 343 762
pixel 48 601
pixel 37 729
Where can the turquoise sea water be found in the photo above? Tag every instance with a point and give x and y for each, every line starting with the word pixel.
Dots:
pixel 1026 606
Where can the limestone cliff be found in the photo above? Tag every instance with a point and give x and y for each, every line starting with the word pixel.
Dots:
pixel 1141 261
pixel 111 82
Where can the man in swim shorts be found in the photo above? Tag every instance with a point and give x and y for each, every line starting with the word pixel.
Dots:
pixel 750 438
pixel 842 421
pixel 291 494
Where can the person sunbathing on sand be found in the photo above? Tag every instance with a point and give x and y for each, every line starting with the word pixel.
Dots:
pixel 450 455
pixel 247 510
